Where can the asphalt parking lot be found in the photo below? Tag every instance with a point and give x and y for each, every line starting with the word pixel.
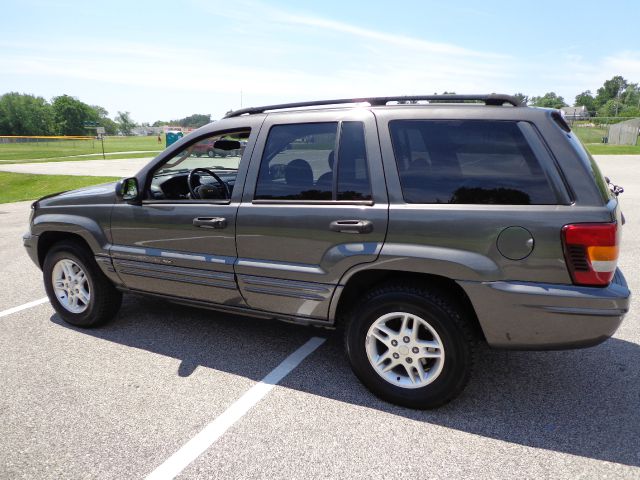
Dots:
pixel 118 401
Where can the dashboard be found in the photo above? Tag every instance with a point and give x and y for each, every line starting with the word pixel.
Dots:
pixel 173 185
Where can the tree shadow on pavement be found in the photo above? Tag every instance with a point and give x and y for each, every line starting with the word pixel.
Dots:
pixel 581 402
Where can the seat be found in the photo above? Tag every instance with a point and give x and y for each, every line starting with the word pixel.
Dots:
pixel 325 182
pixel 298 174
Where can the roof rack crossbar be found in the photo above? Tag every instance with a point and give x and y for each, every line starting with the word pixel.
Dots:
pixel 488 99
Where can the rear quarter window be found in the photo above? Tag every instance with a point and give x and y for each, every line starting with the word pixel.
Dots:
pixel 592 167
pixel 468 162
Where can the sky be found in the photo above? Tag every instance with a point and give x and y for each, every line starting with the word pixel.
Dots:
pixel 165 60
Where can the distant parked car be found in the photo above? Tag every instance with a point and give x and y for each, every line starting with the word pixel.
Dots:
pixel 206 147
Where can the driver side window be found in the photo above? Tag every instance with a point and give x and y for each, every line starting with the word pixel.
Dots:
pixel 202 170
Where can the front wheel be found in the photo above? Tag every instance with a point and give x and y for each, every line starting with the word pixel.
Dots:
pixel 410 346
pixel 77 289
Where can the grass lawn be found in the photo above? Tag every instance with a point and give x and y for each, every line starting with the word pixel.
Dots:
pixel 15 187
pixel 590 134
pixel 592 139
pixel 117 156
pixel 606 149
pixel 15 152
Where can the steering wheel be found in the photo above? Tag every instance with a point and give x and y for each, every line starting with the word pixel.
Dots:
pixel 192 189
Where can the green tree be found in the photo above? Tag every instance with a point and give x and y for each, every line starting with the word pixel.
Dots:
pixel 631 96
pixel 630 111
pixel 612 89
pixel 23 114
pixel 110 127
pixel 548 100
pixel 610 109
pixel 524 99
pixel 70 115
pixel 195 121
pixel 125 123
pixel 586 99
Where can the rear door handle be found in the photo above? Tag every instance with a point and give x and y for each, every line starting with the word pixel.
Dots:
pixel 210 222
pixel 351 226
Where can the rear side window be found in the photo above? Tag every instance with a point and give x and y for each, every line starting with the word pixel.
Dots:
pixel 353 171
pixel 300 163
pixel 468 162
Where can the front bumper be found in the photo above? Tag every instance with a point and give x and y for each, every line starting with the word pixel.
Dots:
pixel 538 316
pixel 30 242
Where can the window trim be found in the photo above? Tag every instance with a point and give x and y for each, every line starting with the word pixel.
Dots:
pixel 312 202
pixel 186 202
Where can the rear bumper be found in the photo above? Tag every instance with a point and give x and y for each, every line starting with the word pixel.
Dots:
pixel 538 316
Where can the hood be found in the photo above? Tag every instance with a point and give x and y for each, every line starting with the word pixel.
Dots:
pixel 94 195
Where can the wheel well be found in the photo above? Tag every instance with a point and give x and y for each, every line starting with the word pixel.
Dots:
pixel 49 239
pixel 368 279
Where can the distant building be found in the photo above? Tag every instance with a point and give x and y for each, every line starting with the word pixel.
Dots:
pixel 176 128
pixel 575 113
pixel 142 131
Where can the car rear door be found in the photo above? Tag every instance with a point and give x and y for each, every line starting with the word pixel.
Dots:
pixel 314 205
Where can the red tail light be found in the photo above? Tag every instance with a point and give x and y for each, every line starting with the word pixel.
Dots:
pixel 591 252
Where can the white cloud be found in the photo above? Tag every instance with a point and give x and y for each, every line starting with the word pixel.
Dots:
pixel 274 55
pixel 627 63
pixel 403 41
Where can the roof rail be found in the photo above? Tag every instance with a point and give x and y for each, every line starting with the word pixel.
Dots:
pixel 489 99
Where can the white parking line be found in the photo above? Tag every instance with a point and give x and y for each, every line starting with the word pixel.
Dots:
pixel 24 306
pixel 212 432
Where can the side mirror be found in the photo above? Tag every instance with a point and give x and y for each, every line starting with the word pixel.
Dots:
pixel 127 189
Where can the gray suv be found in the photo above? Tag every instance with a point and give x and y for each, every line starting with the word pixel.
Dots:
pixel 419 225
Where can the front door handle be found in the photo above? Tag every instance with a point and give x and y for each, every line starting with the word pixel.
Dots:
pixel 351 226
pixel 210 222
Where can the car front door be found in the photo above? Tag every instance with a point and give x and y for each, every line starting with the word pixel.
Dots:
pixel 314 205
pixel 177 245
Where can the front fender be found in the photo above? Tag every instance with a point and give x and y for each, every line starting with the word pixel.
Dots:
pixel 87 228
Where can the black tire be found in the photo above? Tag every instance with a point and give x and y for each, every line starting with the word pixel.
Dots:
pixel 211 153
pixel 442 314
pixel 105 299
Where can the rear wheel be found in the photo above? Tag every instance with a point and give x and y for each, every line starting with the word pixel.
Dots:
pixel 410 345
pixel 78 290
pixel 211 153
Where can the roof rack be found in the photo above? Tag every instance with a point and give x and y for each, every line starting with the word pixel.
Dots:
pixel 488 99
